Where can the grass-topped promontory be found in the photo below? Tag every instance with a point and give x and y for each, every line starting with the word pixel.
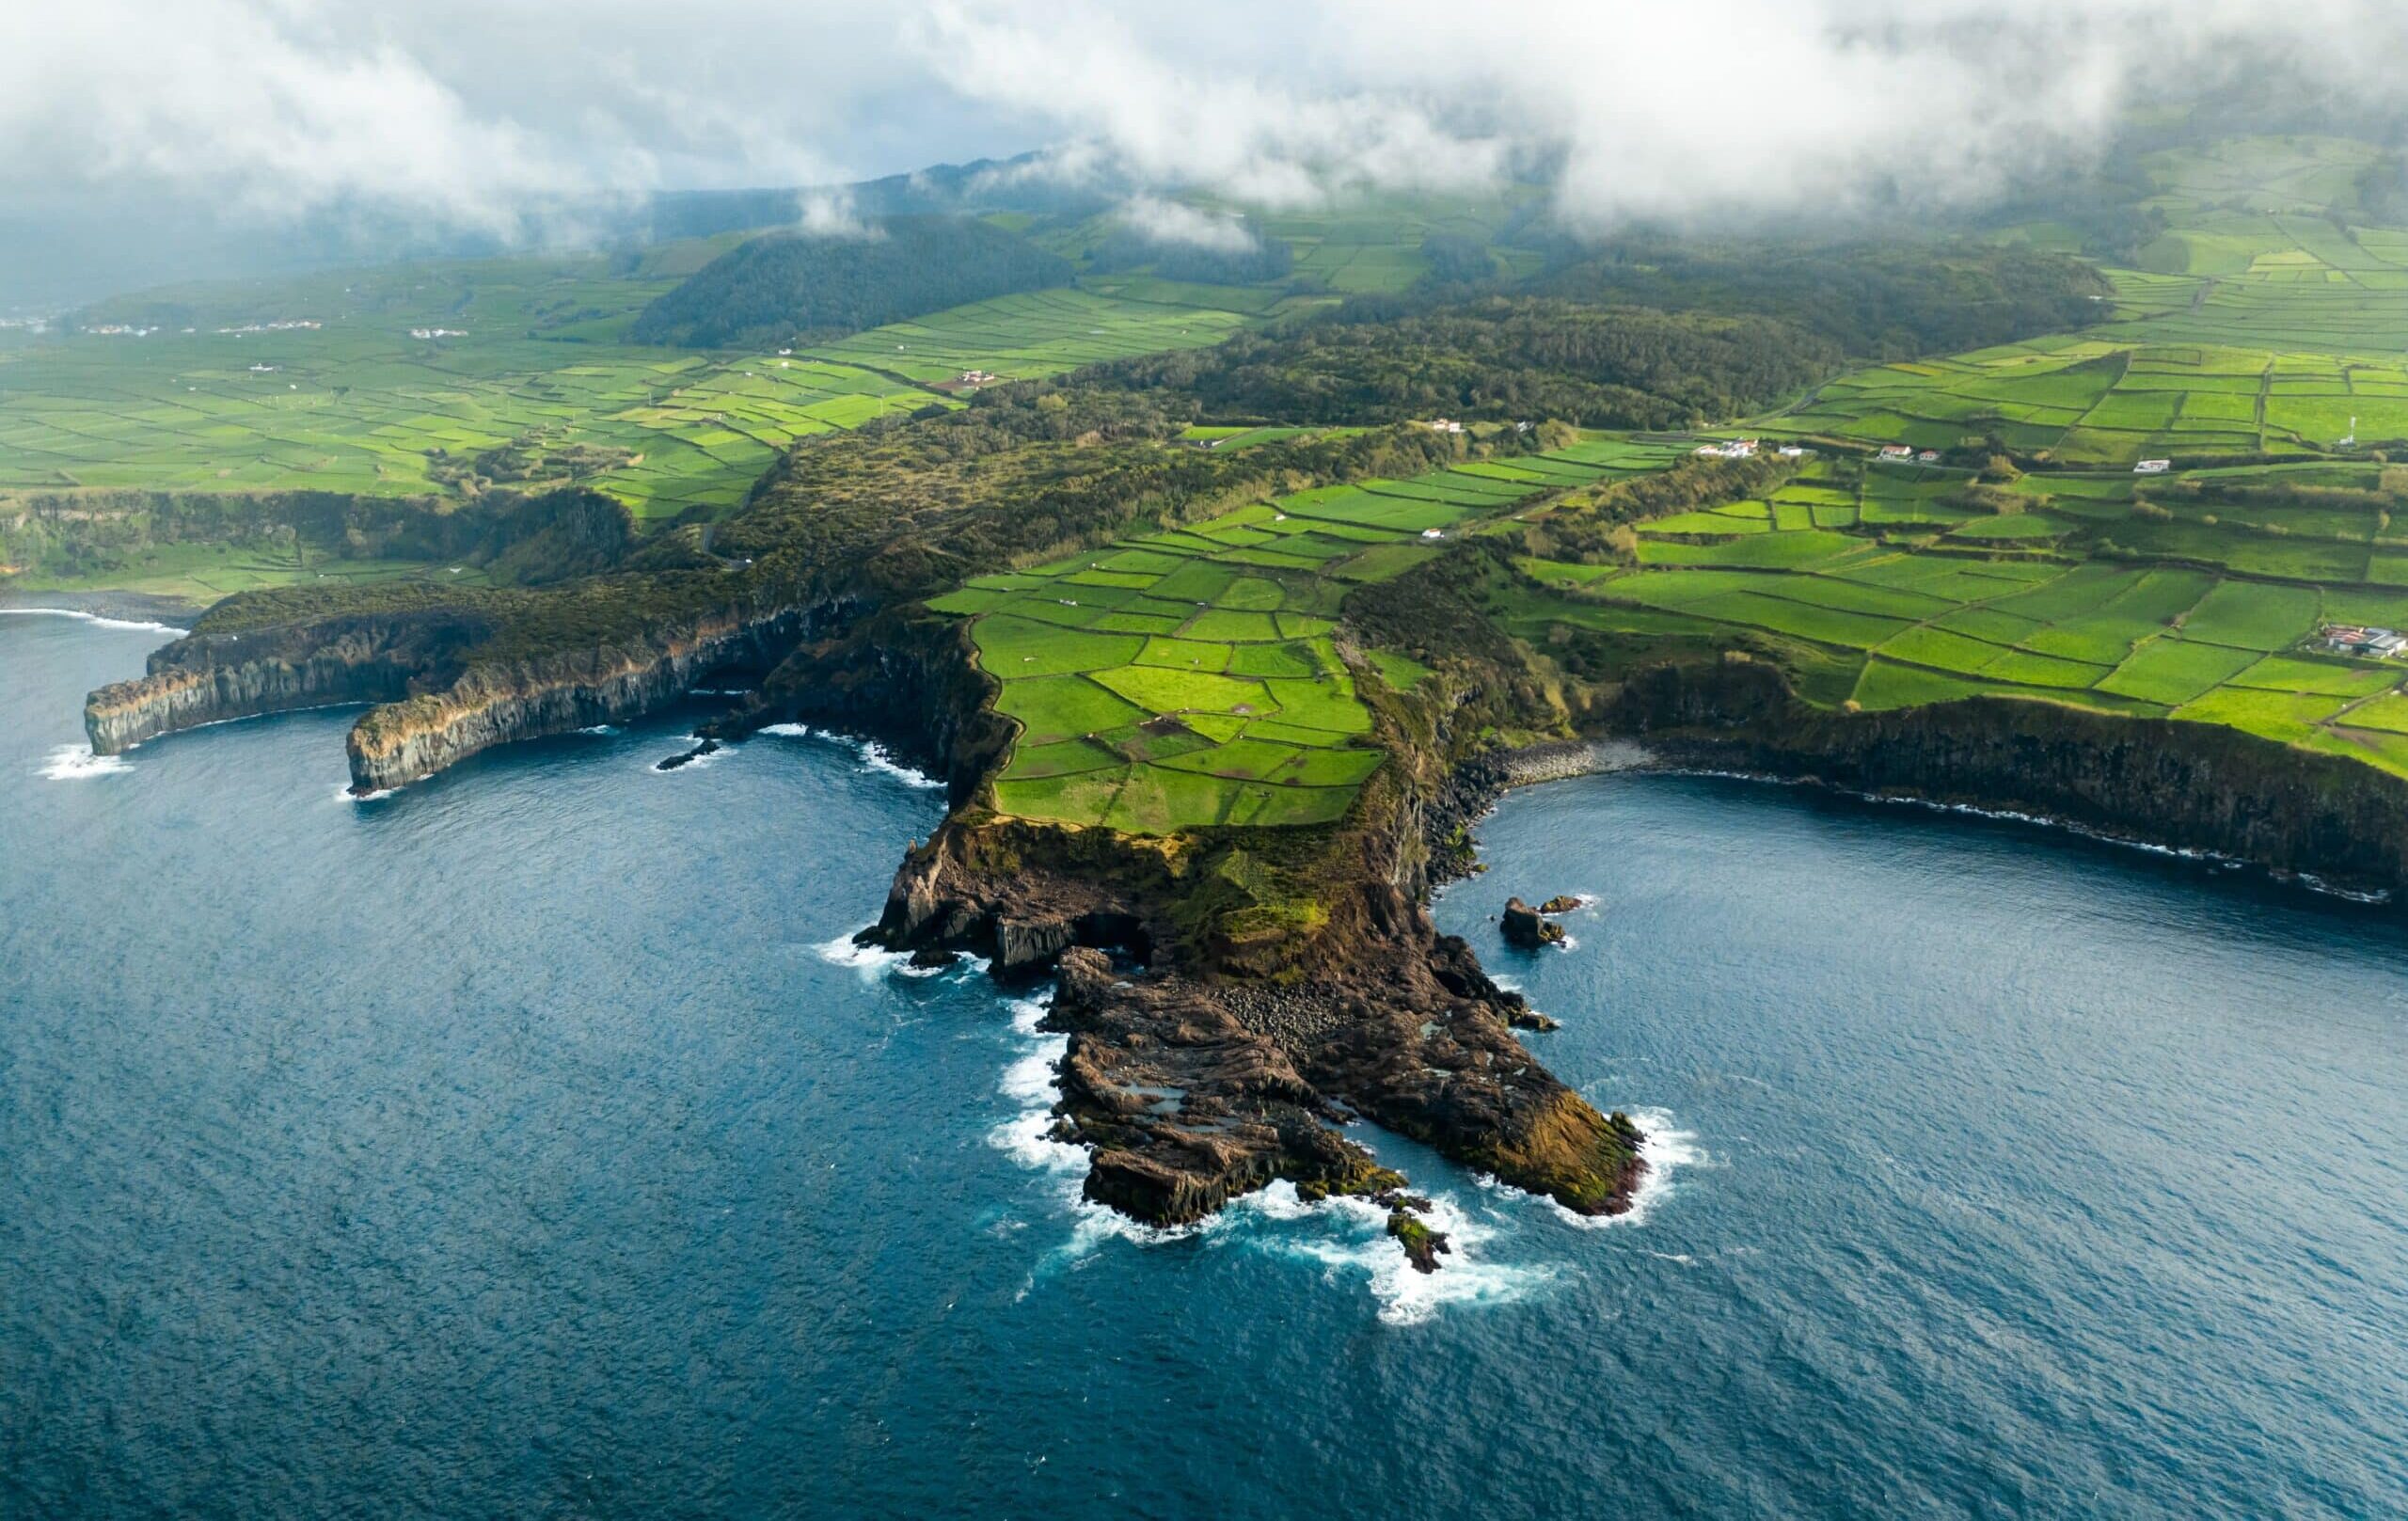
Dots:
pixel 1193 677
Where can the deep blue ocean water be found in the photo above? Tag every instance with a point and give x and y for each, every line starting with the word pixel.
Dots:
pixel 519 1145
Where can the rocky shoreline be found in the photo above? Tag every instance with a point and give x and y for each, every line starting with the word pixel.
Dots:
pixel 123 607
pixel 416 737
pixel 1189 1089
pixel 431 708
pixel 1219 1039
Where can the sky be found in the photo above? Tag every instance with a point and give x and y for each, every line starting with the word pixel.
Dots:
pixel 165 129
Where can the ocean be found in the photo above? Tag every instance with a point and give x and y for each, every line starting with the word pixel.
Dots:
pixel 532 1143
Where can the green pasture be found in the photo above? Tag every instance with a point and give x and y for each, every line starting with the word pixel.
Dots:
pixel 2117 610
pixel 1189 679
pixel 532 352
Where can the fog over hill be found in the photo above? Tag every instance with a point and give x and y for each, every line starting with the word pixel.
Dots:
pixel 142 139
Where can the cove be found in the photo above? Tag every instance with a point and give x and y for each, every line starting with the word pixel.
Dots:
pixel 526 1142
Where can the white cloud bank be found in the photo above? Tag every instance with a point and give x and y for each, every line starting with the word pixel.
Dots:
pixel 460 111
pixel 1172 221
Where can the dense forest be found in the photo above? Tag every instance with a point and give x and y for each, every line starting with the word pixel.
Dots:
pixel 911 506
pixel 893 511
pixel 1874 302
pixel 1497 358
pixel 786 286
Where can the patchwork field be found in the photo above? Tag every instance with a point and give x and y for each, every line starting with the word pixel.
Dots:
pixel 2269 319
pixel 528 354
pixel 1190 677
pixel 2088 400
pixel 202 573
pixel 1897 597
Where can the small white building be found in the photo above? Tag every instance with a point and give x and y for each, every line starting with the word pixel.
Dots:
pixel 2352 638
pixel 1790 451
pixel 1445 425
pixel 2153 467
pixel 1897 452
pixel 1929 456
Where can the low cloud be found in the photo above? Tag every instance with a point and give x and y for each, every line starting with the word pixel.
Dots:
pixel 252 109
pixel 830 213
pixel 464 113
pixel 1708 107
pixel 1170 221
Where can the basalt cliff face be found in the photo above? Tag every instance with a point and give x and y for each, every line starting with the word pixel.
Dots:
pixel 1203 1065
pixel 208 678
pixel 902 676
pixel 2194 787
pixel 403 741
pixel 438 699
pixel 1191 1086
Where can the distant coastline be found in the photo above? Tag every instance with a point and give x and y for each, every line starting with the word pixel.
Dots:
pixel 129 607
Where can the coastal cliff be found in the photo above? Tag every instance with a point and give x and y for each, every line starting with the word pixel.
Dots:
pixel 902 676
pixel 439 694
pixel 2191 786
pixel 1191 1084
pixel 210 678
pixel 414 736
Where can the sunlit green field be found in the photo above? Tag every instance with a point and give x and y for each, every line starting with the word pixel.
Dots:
pixel 202 573
pixel 2261 322
pixel 359 405
pixel 1189 678
pixel 1892 597
pixel 2091 400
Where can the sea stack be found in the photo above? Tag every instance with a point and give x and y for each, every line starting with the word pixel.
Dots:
pixel 1525 927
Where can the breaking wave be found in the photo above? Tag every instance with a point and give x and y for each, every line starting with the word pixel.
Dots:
pixel 875 757
pixel 1667 1150
pixel 1029 1083
pixel 1346 1239
pixel 94 618
pixel 76 763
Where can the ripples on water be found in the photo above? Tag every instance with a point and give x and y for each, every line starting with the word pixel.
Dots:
pixel 533 1142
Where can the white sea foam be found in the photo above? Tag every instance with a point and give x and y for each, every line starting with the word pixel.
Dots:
pixel 871 961
pixel 344 794
pixel 76 763
pixel 1667 1149
pixel 1347 1238
pixel 94 618
pixel 2318 885
pixel 599 728
pixel 874 757
pixel 875 962
pixel 1029 1082
pixel 693 762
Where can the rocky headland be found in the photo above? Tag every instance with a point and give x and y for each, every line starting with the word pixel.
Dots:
pixel 436 700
